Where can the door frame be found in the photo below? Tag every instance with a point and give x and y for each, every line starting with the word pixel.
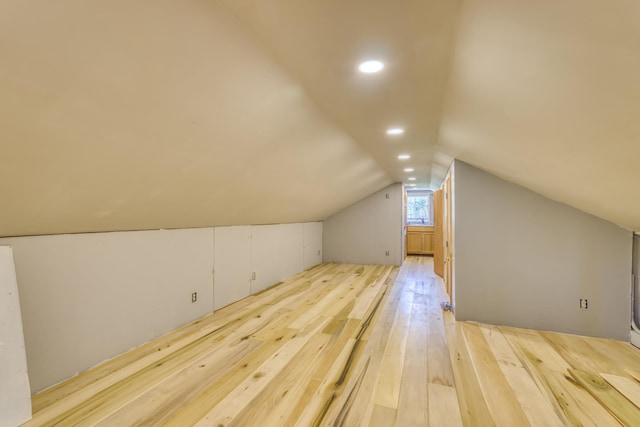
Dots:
pixel 438 233
pixel 448 234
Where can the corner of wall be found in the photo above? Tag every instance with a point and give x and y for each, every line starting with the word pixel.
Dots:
pixel 367 232
pixel 524 260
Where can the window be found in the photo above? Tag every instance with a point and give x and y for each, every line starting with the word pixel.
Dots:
pixel 420 208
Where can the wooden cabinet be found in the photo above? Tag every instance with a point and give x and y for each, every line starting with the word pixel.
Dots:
pixel 414 242
pixel 419 240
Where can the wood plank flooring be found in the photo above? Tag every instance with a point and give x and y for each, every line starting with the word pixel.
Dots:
pixel 352 345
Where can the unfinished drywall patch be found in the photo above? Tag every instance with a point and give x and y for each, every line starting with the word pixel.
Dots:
pixel 524 260
pixel 368 232
pixel 15 396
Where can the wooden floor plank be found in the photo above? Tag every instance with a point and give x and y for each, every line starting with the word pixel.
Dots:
pixel 473 406
pixel 444 409
pixel 100 405
pixel 324 403
pixel 373 313
pixel 382 416
pixel 243 395
pixel 439 371
pixel 216 391
pixel 500 398
pixel 364 300
pixel 538 410
pixel 387 391
pixel 619 355
pixel 273 404
pixel 354 403
pixel 413 403
pixel 161 402
pixel 550 372
pixel 627 387
pixel 321 390
pixel 325 378
pixel 621 408
pixel 580 353
pixel 634 374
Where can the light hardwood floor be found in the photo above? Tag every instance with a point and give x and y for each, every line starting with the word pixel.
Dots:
pixel 353 345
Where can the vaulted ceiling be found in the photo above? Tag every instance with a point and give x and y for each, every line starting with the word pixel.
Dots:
pixel 138 115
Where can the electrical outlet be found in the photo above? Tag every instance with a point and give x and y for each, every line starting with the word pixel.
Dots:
pixel 194 296
pixel 253 276
pixel 584 303
pixel 318 252
pixel 387 253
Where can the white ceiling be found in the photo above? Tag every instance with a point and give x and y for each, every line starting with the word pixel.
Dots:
pixel 138 115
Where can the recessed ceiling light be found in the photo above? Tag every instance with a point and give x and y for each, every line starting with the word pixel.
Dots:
pixel 408 169
pixel 370 67
pixel 395 131
pixel 404 156
pixel 410 185
pixel 412 179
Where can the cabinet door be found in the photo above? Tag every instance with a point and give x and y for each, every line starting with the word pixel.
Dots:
pixel 428 243
pixel 414 242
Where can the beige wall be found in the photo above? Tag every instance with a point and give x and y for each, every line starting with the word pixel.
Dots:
pixel 365 231
pixel 524 260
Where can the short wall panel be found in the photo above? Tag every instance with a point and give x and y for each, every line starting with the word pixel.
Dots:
pixel 276 253
pixel 312 239
pixel 232 265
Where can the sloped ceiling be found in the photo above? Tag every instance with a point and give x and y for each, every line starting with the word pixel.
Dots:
pixel 139 115
pixel 547 94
